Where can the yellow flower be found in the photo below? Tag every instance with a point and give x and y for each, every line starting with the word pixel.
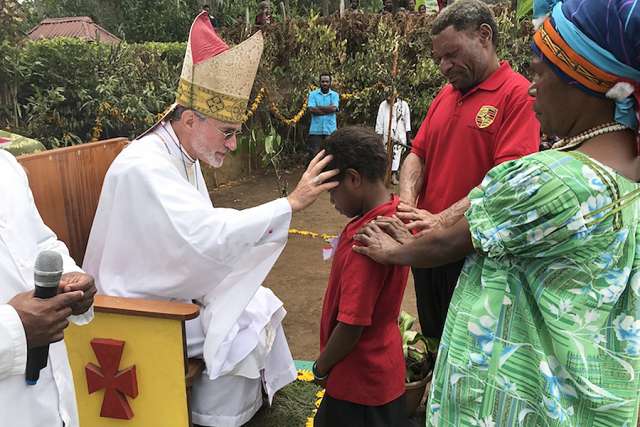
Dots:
pixel 318 402
pixel 320 393
pixel 305 375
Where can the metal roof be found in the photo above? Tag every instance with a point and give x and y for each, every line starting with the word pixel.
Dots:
pixel 81 27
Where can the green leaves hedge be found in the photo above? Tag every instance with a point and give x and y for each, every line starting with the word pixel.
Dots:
pixel 66 91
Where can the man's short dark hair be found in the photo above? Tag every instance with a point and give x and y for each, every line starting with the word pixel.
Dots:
pixel 327 75
pixel 465 15
pixel 205 7
pixel 358 148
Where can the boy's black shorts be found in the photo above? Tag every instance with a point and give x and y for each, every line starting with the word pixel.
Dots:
pixel 340 413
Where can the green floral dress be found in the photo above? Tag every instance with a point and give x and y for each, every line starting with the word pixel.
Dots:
pixel 544 325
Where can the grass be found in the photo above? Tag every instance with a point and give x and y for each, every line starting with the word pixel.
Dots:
pixel 291 407
pixel 294 404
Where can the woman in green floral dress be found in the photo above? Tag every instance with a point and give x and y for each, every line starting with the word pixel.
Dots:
pixel 544 325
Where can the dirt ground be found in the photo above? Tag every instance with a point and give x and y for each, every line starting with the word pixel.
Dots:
pixel 300 276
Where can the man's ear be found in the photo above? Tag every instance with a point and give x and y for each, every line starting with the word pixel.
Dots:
pixel 486 35
pixel 353 177
pixel 188 118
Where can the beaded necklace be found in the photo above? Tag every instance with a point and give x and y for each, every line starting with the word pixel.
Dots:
pixel 575 141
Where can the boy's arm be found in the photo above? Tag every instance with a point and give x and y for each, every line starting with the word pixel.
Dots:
pixel 342 341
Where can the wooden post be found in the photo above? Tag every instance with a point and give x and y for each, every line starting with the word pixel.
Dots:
pixel 389 142
pixel 325 7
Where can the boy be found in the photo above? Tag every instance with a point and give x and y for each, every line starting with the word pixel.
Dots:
pixel 361 363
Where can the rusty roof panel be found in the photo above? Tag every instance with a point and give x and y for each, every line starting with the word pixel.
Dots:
pixel 81 27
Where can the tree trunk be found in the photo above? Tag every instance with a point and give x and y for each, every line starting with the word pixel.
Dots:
pixel 325 7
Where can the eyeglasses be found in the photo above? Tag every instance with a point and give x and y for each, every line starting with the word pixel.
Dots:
pixel 228 134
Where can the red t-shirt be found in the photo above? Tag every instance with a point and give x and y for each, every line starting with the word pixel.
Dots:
pixel 362 292
pixel 464 136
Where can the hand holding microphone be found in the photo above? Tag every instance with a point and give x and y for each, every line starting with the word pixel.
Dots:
pixel 44 320
pixel 43 312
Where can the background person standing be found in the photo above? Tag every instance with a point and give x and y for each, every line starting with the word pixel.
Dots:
pixel 323 104
pixel 400 129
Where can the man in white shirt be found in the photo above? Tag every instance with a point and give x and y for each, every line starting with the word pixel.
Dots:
pixel 26 321
pixel 400 128
pixel 156 233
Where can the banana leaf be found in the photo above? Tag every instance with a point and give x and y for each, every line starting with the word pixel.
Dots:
pixel 525 8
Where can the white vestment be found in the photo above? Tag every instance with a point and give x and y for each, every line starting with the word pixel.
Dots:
pixel 157 235
pixel 23 235
pixel 400 125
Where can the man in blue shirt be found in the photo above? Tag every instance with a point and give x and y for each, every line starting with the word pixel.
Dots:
pixel 323 104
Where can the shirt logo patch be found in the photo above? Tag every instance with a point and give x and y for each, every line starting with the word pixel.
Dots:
pixel 486 115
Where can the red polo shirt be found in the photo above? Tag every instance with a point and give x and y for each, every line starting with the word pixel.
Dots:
pixel 362 292
pixel 465 135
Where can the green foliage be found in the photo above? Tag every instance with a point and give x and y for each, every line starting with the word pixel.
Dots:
pixel 132 20
pixel 67 87
pixel 12 20
pixel 65 91
pixel 525 8
pixel 415 347
pixel 292 406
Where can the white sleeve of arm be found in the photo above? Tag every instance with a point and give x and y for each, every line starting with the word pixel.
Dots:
pixel 198 245
pixel 13 343
pixel 407 117
pixel 243 229
pixel 380 121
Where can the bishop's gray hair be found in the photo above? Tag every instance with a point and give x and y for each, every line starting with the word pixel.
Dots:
pixel 177 113
pixel 465 15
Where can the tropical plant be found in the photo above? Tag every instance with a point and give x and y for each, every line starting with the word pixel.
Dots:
pixel 273 148
pixel 417 349
pixel 64 91
pixel 525 7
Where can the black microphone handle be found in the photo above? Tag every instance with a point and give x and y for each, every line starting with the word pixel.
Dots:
pixel 45 292
pixel 37 357
pixel 36 360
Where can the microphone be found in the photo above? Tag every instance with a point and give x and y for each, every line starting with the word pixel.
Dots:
pixel 46 274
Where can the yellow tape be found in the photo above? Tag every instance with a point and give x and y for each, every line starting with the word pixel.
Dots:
pixel 323 236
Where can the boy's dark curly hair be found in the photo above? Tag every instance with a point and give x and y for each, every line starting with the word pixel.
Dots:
pixel 358 148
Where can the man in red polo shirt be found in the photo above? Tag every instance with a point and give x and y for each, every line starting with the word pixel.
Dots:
pixel 483 117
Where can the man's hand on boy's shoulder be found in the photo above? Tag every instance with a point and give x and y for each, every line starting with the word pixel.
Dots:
pixel 395 228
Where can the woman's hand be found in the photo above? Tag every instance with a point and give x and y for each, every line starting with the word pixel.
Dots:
pixel 376 244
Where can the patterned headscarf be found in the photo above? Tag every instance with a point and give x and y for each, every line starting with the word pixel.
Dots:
pixel 594 45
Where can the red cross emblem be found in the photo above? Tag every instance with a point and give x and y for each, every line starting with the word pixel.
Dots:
pixel 116 384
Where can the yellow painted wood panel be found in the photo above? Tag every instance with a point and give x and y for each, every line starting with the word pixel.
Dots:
pixel 155 346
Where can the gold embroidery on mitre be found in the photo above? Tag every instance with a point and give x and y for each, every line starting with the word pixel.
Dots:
pixel 213 104
pixel 486 115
